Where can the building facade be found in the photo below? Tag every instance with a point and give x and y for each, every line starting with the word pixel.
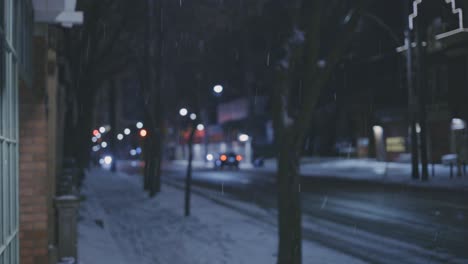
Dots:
pixel 15 70
pixel 29 114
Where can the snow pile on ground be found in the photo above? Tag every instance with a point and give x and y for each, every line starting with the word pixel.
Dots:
pixel 119 224
pixel 384 172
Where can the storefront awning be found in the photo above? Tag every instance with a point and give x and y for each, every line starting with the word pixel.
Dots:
pixel 57 12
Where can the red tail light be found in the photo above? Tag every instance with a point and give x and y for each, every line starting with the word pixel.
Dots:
pixel 223 158
pixel 238 157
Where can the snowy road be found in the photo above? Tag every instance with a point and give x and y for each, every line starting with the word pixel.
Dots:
pixel 373 223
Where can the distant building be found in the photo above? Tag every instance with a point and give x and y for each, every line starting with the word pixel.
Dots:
pixel 444 83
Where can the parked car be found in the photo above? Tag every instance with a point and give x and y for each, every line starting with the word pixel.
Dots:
pixel 229 159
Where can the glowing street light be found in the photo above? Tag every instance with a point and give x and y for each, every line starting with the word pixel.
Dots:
pixel 183 112
pixel 200 127
pixel 127 131
pixel 218 89
pixel 378 130
pixel 94 139
pixel 104 144
pixel 243 137
pixel 457 124
pixel 143 133
pixel 139 125
pixel 418 128
pixel 120 136
pixel 102 130
pixel 193 116
pixel 107 160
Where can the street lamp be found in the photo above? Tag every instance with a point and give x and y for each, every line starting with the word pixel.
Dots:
pixel 193 116
pixel 139 125
pixel 127 131
pixel 243 137
pixel 457 124
pixel 218 89
pixel 143 133
pixel 379 142
pixel 418 128
pixel 183 111
pixel 120 136
pixel 200 127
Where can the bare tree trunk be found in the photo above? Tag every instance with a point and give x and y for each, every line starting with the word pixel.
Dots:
pixel 290 133
pixel 83 127
pixel 152 180
pixel 155 184
pixel 288 180
pixel 153 153
pixel 113 125
pixel 147 160
pixel 188 179
pixel 289 207
pixel 147 151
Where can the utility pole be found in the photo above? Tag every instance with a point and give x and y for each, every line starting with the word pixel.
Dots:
pixel 411 107
pixel 420 52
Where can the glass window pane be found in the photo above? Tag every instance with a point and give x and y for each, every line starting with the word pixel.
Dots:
pixel 2 14
pixel 2 208
pixel 2 87
pixel 16 21
pixel 3 190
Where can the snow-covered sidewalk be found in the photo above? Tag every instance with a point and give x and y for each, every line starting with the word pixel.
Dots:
pixel 120 224
pixel 366 170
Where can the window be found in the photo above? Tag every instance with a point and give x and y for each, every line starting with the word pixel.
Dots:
pixel 12 13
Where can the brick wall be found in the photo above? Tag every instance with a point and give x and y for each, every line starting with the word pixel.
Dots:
pixel 33 171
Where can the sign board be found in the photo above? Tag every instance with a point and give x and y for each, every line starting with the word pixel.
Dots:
pixel 232 111
pixel 395 144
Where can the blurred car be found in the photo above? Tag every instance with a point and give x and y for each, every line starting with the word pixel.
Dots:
pixel 229 159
